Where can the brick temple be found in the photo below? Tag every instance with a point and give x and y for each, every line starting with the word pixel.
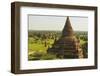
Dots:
pixel 67 46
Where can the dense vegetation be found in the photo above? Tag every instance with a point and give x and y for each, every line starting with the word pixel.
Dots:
pixel 40 41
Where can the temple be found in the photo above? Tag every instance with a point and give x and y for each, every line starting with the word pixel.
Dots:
pixel 67 46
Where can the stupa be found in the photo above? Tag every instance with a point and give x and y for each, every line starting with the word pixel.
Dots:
pixel 67 46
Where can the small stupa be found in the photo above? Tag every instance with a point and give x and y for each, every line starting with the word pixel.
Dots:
pixel 67 46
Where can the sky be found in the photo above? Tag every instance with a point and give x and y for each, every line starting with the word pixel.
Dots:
pixel 56 23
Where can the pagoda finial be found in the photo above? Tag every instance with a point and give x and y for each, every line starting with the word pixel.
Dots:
pixel 67 30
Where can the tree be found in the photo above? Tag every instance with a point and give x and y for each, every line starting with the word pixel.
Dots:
pixel 85 49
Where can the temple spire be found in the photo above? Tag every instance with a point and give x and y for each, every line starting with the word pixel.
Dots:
pixel 67 30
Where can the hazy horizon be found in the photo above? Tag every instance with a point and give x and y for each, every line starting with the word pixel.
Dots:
pixel 56 23
pixel 57 30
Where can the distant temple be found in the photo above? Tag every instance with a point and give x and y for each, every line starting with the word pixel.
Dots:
pixel 68 46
